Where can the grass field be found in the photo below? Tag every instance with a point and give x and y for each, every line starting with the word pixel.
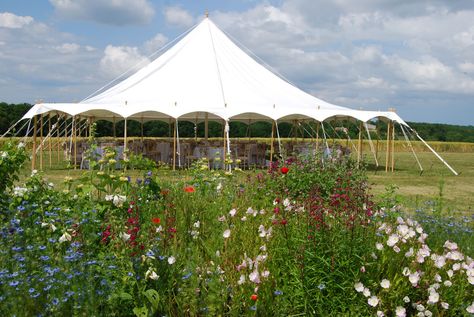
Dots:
pixel 436 185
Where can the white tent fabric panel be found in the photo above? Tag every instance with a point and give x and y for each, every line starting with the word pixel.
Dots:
pixel 206 73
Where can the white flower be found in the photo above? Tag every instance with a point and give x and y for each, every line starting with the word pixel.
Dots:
pixel 392 240
pixel 265 274
pixel 456 266
pixel 445 305
pixel 243 218
pixel 470 308
pixel 406 271
pixel 241 279
pixel 373 301
pixel 171 260
pixel 409 253
pixel 380 313
pixel 440 261
pixel 254 277
pixel 433 298
pixel 447 283
pixel 159 229
pixel 219 187
pixel 53 227
pixel 197 224
pixel 359 287
pixel 118 200
pixel 400 311
pixel 414 278
pixel 438 278
pixel 124 236
pixel 420 307
pixel 385 283
pixel 406 299
pixel 366 292
pixel 450 245
pixel 65 237
pixel 221 218
pixel 396 248
pixel 233 212
pixel 379 246
pixel 252 212
pixel 226 234
pixel 21 145
pixel 428 313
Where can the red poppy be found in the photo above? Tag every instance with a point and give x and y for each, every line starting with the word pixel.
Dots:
pixel 254 297
pixel 283 222
pixel 156 220
pixel 189 189
pixel 284 170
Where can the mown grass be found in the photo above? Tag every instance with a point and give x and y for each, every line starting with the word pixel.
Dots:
pixel 454 194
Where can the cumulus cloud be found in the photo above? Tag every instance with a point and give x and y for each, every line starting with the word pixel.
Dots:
pixel 155 43
pixel 11 21
pixel 120 59
pixel 68 48
pixel 176 16
pixel 115 12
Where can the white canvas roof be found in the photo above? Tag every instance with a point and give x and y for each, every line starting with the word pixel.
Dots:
pixel 205 73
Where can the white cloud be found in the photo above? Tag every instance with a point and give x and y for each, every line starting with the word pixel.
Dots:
pixel 466 67
pixel 11 21
pixel 177 16
pixel 115 12
pixel 120 59
pixel 68 48
pixel 155 43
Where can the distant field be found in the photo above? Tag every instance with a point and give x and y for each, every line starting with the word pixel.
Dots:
pixel 415 190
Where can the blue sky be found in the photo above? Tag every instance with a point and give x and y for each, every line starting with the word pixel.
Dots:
pixel 415 56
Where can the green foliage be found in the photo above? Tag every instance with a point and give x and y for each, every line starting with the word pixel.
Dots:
pixel 290 241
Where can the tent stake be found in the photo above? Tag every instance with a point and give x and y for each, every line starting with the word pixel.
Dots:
pixel 75 143
pixel 41 142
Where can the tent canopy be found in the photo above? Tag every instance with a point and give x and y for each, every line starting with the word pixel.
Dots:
pixel 206 75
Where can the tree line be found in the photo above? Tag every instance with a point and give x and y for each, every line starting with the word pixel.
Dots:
pixel 11 113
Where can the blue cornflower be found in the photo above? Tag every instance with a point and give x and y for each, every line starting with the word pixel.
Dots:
pixel 55 301
pixel 29 247
pixel 42 247
pixel 17 249
pixel 14 283
pixel 130 274
pixel 185 277
pixel 112 267
pixel 47 288
pixel 321 286
pixel 70 293
pixel 31 290
pixel 254 307
pixel 277 293
pixel 35 295
pixel 44 258
pixel 52 240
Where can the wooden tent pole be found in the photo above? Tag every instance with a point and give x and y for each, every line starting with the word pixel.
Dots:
pixel 393 146
pixel 387 156
pixel 223 146
pixel 58 134
pixel 75 142
pixel 174 146
pixel 206 127
pixel 41 142
pixel 141 130
pixel 125 140
pixel 113 128
pixel 359 147
pixel 50 141
pixel 33 156
pixel 317 136
pixel 272 141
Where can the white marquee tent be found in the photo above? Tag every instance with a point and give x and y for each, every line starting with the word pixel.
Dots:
pixel 205 76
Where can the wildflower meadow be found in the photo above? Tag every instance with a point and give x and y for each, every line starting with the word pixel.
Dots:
pixel 303 238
